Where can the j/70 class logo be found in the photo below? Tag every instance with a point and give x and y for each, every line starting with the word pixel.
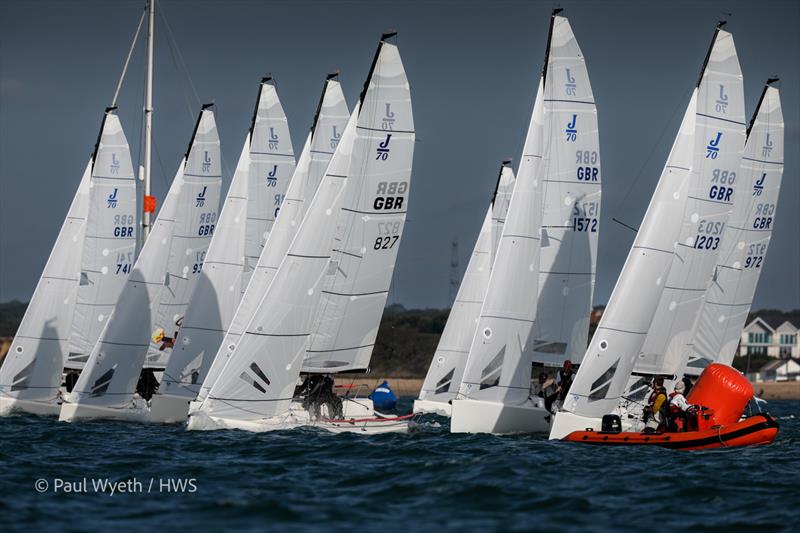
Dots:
pixel 712 150
pixel 383 149
pixel 201 198
pixel 112 199
pixel 273 140
pixel 206 166
pixel 114 168
pixel 388 119
pixel 335 136
pixel 572 129
pixel 722 101
pixel 272 176
pixel 570 87
pixel 758 186
pixel 766 150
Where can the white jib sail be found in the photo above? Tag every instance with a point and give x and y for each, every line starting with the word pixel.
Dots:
pixel 369 228
pixel 109 247
pixel 447 365
pixel 326 131
pixel 615 346
pixel 495 369
pixel 32 368
pixel 719 141
pixel 164 274
pixel 745 241
pixel 222 280
pixel 258 380
pixel 570 206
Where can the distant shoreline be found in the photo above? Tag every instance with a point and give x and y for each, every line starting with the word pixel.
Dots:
pixel 767 390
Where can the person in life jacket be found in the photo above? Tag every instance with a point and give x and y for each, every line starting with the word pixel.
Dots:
pixel 383 399
pixel 546 389
pixel 679 408
pixel 655 414
pixel 564 379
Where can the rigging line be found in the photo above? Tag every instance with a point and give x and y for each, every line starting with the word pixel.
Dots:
pixel 128 59
pixel 186 98
pixel 664 130
pixel 171 37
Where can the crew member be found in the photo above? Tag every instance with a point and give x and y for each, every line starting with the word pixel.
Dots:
pixel 679 408
pixel 654 413
pixel 564 379
pixel 546 390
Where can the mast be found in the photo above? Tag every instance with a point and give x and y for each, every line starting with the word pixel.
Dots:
pixel 148 115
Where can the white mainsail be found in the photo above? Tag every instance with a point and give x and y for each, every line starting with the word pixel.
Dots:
pixel 109 245
pixel 369 228
pixel 164 274
pixel 745 241
pixel 615 346
pixel 323 139
pixel 570 207
pixel 447 365
pixel 718 144
pixel 31 373
pixel 272 164
pixel 222 280
pixel 564 123
pixel 259 377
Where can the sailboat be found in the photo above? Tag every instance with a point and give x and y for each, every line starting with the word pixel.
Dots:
pixel 363 194
pixel 745 241
pixel 447 366
pixel 162 278
pixel 650 314
pixel 547 248
pixel 321 143
pixel 216 300
pixel 89 263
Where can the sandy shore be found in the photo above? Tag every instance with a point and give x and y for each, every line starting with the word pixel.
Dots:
pixel 768 390
pixel 777 390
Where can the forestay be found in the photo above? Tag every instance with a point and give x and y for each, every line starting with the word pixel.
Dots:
pixel 259 379
pixel 163 274
pixel 745 241
pixel 447 365
pixel 32 368
pixel 109 246
pixel 570 205
pixel 369 228
pixel 323 139
pixel 242 220
pixel 718 145
pixel 620 335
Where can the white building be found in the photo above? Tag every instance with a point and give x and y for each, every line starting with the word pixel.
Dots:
pixel 780 370
pixel 759 338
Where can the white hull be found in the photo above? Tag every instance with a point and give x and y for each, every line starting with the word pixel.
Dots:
pixel 428 406
pixel 71 412
pixel 9 406
pixel 169 409
pixel 359 417
pixel 476 416
pixel 565 423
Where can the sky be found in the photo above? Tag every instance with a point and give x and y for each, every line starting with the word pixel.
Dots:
pixel 473 68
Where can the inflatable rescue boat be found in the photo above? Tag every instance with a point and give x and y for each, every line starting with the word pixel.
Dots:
pixel 721 394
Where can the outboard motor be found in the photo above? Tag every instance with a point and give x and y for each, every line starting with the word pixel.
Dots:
pixel 383 399
pixel 611 424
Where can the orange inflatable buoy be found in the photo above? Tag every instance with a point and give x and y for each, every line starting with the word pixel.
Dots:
pixel 722 390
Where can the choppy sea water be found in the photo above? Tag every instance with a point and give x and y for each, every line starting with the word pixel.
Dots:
pixel 306 479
